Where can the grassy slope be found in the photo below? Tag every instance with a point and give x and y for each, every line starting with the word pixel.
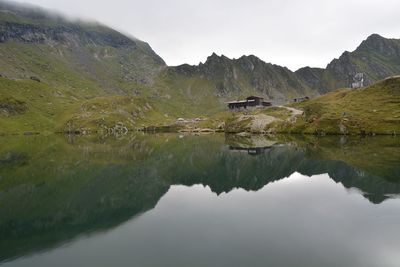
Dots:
pixel 30 106
pixel 43 106
pixel 375 109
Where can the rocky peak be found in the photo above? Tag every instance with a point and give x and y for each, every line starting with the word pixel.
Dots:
pixel 378 44
pixel 215 59
pixel 216 65
pixel 372 41
pixel 213 56
pixel 248 62
pixel 251 58
pixel 312 76
pixel 343 69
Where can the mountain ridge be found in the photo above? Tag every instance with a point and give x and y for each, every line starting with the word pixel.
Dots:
pixel 376 56
pixel 381 58
pixel 80 63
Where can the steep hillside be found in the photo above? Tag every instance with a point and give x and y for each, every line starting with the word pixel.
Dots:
pixel 371 110
pixel 88 58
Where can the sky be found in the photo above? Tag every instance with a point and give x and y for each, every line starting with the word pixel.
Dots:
pixel 290 33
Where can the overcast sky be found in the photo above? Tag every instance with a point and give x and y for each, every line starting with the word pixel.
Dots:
pixel 291 33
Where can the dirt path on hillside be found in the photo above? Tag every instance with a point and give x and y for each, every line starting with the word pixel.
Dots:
pixel 260 121
pixel 295 113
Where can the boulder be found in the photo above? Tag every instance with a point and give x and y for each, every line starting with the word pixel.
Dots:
pixel 34 78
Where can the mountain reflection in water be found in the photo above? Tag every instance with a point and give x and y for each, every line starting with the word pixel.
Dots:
pixel 55 189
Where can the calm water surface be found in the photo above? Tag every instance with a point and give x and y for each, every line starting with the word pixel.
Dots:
pixel 170 200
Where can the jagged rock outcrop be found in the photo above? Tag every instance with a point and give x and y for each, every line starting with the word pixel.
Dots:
pixel 246 75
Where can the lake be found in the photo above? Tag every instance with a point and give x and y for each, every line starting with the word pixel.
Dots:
pixel 211 200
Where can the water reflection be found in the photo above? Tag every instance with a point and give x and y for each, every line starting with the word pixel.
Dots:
pixel 54 189
pixel 253 145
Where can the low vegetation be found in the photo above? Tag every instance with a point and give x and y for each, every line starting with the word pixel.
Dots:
pixel 29 106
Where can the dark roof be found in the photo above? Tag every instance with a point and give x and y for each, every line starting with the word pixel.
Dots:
pixel 252 97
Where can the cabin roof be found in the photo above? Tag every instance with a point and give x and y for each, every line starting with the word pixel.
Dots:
pixel 253 96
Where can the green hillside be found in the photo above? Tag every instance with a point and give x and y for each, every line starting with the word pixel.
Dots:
pixel 31 106
pixel 371 110
pixel 28 106
pixel 366 111
pixel 87 58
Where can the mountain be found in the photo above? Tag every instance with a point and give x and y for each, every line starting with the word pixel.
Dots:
pixel 93 58
pixel 49 65
pixel 228 79
pixel 89 58
pixel 232 78
pixel 376 57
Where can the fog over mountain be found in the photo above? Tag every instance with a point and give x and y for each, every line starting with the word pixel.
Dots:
pixel 289 33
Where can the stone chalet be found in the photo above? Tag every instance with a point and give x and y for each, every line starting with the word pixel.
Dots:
pixel 251 101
